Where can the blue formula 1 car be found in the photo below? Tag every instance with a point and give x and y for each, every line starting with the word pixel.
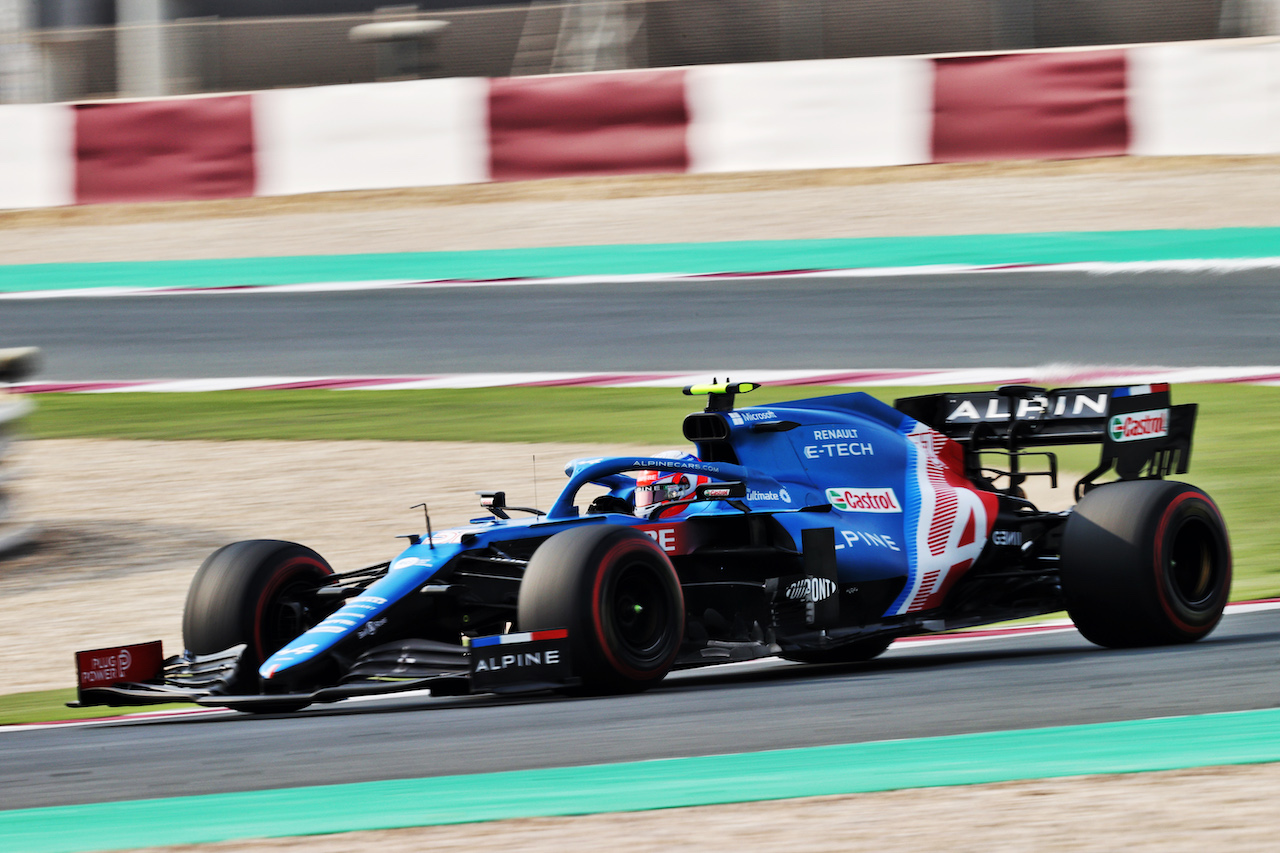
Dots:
pixel 819 530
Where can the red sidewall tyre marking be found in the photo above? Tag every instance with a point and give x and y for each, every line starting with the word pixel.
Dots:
pixel 615 553
pixel 286 572
pixel 1158 561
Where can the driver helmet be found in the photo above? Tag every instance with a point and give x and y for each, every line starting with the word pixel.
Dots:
pixel 667 487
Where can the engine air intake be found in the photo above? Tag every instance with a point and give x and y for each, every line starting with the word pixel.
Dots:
pixel 704 426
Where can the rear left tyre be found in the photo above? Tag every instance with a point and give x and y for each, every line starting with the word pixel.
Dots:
pixel 1145 563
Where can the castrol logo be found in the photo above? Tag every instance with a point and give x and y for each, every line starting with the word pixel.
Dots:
pixel 864 500
pixel 1139 425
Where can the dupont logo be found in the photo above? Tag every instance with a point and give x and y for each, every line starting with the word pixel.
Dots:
pixel 811 589
pixel 1139 425
pixel 864 500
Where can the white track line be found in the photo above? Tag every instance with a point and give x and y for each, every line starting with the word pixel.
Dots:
pixel 1050 374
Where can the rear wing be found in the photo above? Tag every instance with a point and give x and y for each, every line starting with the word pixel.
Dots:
pixel 1142 434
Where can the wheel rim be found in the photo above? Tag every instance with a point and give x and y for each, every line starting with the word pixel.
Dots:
pixel 641 611
pixel 1195 566
pixel 284 618
pixel 282 615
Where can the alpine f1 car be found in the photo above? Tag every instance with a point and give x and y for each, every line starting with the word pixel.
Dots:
pixel 819 530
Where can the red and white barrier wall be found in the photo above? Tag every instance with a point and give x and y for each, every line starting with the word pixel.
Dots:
pixel 371 136
pixel 1185 98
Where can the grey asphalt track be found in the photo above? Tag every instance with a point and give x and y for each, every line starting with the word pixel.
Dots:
pixel 1009 683
pixel 1006 319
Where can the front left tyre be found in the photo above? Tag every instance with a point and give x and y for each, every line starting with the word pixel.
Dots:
pixel 617 593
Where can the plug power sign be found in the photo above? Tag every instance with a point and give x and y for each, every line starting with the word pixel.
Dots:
pixel 105 667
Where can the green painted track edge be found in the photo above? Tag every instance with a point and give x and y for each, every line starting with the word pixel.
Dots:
pixel 1247 737
pixel 654 259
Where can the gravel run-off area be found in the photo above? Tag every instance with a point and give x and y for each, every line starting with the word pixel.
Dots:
pixel 125 523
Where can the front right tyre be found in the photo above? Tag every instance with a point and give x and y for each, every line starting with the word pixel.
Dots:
pixel 257 593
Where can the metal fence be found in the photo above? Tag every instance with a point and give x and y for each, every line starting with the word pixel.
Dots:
pixel 218 55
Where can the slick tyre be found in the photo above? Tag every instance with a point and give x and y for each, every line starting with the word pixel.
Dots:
pixel 619 596
pixel 859 652
pixel 252 592
pixel 1145 563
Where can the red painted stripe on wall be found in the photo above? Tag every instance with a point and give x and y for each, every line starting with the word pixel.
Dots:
pixel 1031 106
pixel 164 150
pixel 587 124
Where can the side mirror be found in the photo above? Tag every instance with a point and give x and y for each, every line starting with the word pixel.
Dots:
pixel 732 490
pixel 495 502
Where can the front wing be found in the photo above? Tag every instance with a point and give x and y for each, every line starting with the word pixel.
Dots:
pixel 506 663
